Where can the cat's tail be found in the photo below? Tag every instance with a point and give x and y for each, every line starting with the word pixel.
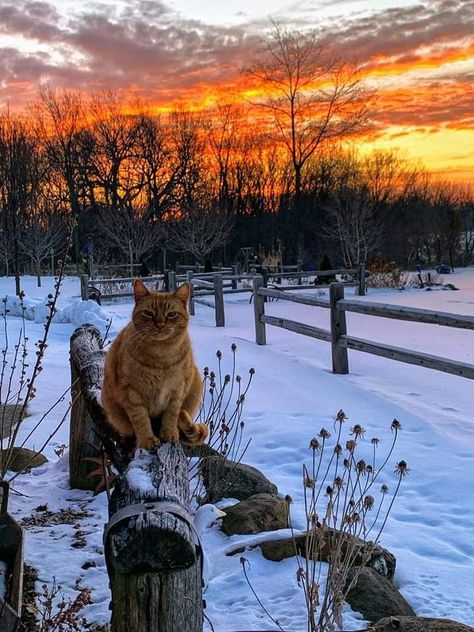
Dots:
pixel 189 432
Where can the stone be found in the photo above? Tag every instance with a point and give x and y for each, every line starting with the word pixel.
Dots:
pixel 24 459
pixel 419 624
pixel 375 596
pixel 228 479
pixel 261 512
pixel 380 559
pixel 9 417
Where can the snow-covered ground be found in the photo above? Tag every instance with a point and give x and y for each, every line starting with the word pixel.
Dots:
pixel 293 395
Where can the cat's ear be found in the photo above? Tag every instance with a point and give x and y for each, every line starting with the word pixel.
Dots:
pixel 139 290
pixel 183 293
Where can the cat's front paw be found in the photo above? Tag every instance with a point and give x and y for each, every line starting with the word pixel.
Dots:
pixel 148 442
pixel 169 436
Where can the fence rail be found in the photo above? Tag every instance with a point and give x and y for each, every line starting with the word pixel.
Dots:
pixel 340 340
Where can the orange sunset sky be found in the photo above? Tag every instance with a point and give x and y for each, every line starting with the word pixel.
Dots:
pixel 418 55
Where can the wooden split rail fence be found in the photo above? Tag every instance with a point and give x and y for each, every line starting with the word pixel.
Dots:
pixel 340 340
pixel 208 285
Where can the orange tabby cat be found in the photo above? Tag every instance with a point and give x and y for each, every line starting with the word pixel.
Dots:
pixel 149 371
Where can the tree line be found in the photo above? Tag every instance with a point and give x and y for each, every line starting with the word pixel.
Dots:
pixel 288 169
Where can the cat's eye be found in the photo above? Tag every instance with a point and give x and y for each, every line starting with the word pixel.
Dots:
pixel 147 313
pixel 172 314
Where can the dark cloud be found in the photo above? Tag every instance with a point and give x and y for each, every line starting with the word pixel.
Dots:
pixel 35 20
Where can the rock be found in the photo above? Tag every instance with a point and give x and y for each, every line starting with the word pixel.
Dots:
pixel 380 559
pixel 9 418
pixel 199 451
pixel 375 596
pixel 24 459
pixel 227 479
pixel 261 512
pixel 419 624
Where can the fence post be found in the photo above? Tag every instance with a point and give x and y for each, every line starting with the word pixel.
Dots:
pixel 259 310
pixel 84 287
pixel 171 281
pixel 340 363
pixel 361 279
pixel 234 274
pixel 299 268
pixel 219 300
pixel 189 276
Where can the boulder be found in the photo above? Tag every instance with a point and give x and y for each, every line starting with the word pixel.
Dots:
pixel 375 596
pixel 261 512
pixel 419 624
pixel 24 459
pixel 228 479
pixel 380 559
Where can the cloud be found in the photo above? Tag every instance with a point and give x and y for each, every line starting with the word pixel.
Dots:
pixel 146 44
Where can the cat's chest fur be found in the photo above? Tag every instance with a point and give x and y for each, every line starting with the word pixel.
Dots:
pixel 156 378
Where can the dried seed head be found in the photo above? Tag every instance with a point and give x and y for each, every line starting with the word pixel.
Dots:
pixel 338 482
pixel 309 482
pixel 361 467
pixel 338 449
pixel 384 489
pixel 351 445
pixel 233 346
pixel 324 434
pixel 219 354
pixel 374 441
pixel 357 431
pixel 341 416
pixel 314 444
pixel 402 468
pixel 329 490
pixel 369 502
pixel 396 425
pixel 288 499
pixel 251 371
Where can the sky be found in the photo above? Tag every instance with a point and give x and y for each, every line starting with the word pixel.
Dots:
pixel 418 55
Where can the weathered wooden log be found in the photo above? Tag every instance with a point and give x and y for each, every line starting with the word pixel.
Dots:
pixel 152 551
pixel 11 552
pixel 87 362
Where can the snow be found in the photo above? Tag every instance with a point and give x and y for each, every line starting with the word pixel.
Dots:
pixel 139 478
pixel 293 395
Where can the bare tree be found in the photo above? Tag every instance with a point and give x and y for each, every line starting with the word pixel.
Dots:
pixel 467 233
pixel 313 94
pixel 60 119
pixel 352 210
pixel 201 227
pixel 133 236
pixel 39 241
pixel 20 177
pixel 6 250
pixel 159 164
pixel 115 161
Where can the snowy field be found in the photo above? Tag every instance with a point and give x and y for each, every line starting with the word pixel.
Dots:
pixel 292 396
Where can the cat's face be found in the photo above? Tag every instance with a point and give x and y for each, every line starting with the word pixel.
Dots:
pixel 160 315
